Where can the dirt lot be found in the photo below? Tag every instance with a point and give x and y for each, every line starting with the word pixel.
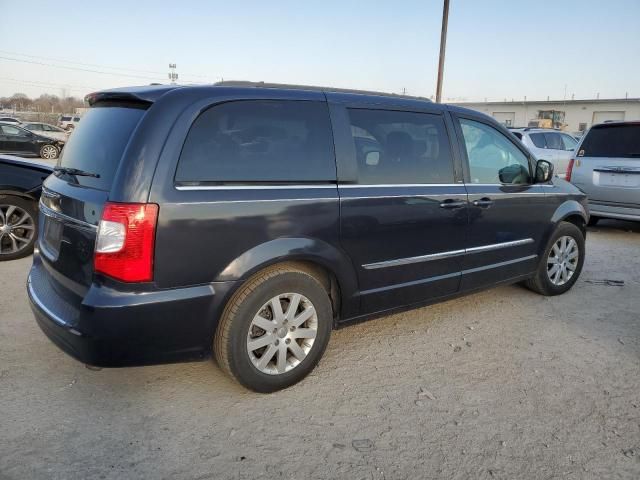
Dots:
pixel 501 384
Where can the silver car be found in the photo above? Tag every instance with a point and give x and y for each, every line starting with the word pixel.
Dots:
pixel 547 144
pixel 607 169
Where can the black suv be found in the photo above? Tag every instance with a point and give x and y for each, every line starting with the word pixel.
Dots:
pixel 249 221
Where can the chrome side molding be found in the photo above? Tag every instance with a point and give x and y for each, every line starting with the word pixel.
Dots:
pixel 448 254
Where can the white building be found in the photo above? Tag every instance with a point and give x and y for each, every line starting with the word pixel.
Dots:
pixel 579 115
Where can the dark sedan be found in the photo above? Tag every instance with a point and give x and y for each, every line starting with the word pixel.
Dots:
pixel 20 188
pixel 16 140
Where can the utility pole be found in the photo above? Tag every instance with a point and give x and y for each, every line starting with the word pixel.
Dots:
pixel 443 44
pixel 173 76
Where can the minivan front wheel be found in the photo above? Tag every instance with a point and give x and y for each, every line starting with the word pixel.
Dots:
pixel 561 262
pixel 274 329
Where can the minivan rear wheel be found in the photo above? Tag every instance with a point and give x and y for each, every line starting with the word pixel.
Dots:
pixel 561 263
pixel 274 329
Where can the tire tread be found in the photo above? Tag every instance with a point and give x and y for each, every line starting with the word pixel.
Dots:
pixel 222 336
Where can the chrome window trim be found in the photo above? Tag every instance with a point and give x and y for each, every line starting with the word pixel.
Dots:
pixel 49 212
pixel 447 254
pixel 261 200
pixel 252 187
pixel 398 185
pixel 350 186
pixel 413 195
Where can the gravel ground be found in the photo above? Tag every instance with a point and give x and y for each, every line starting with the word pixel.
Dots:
pixel 501 384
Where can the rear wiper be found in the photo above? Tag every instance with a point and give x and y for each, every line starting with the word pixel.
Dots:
pixel 75 172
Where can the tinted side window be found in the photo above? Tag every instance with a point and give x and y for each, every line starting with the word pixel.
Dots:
pixel 554 141
pixel 492 156
pixel 259 141
pixel 394 147
pixel 518 135
pixel 18 132
pixel 538 140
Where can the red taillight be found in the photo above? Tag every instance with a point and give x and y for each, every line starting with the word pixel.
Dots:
pixel 125 241
pixel 569 169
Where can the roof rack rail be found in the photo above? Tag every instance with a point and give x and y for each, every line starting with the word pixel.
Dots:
pixel 246 83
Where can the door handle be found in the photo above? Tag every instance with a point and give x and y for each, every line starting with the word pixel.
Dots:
pixel 483 202
pixel 453 203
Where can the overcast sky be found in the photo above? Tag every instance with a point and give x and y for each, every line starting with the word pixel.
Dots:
pixel 496 49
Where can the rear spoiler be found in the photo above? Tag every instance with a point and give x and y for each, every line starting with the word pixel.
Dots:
pixel 140 96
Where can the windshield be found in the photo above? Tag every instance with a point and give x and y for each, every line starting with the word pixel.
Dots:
pixel 612 141
pixel 98 143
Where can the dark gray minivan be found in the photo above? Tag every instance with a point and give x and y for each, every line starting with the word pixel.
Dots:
pixel 249 221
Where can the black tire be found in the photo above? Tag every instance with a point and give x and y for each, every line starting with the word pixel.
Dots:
pixel 230 341
pixel 540 282
pixel 29 207
pixel 593 221
pixel 49 152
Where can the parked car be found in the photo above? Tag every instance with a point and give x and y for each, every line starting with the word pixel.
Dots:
pixel 68 122
pixel 11 120
pixel 16 140
pixel 251 221
pixel 607 168
pixel 547 144
pixel 46 130
pixel 20 187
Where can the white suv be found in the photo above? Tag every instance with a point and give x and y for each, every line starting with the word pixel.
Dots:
pixel 67 122
pixel 547 144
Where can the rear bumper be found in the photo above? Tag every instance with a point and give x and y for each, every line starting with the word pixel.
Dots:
pixel 608 210
pixel 109 328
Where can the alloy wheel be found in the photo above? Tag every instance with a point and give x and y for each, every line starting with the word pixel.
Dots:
pixel 282 333
pixel 49 152
pixel 17 228
pixel 563 260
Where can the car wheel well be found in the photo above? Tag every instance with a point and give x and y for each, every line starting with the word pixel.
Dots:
pixel 579 222
pixel 325 276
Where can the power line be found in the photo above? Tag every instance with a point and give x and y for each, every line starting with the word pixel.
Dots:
pixel 57 85
pixel 61 60
pixel 33 62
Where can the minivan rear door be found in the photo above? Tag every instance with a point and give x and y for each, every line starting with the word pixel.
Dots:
pixel 607 164
pixel 72 204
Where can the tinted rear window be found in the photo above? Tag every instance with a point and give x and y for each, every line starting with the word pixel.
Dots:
pixel 98 142
pixel 259 141
pixel 554 141
pixel 612 141
pixel 538 140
